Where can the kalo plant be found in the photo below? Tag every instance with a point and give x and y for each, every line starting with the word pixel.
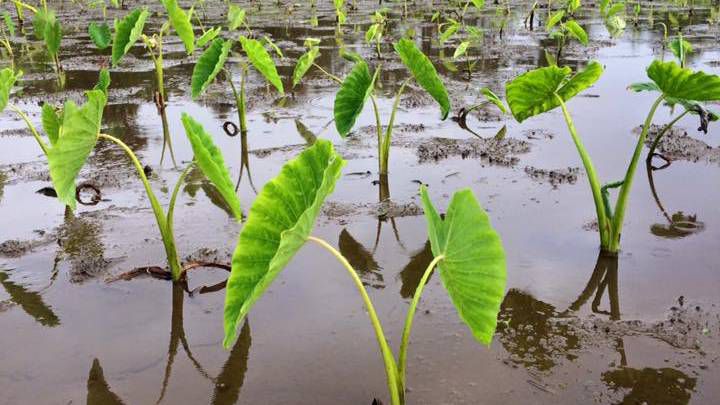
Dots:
pixel 467 252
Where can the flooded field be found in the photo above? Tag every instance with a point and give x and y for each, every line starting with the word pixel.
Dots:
pixel 577 324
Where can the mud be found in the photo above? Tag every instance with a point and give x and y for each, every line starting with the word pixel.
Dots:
pixel 490 151
pixel 677 144
pixel 554 177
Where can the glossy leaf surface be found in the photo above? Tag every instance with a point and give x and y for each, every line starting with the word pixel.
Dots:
pixel 262 61
pixel 210 63
pixel 127 32
pixel 351 98
pixel 424 73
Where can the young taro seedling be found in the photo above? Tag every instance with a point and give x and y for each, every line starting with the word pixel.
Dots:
pixel 46 27
pixel 466 249
pixel 7 31
pixel 561 30
pixel 545 89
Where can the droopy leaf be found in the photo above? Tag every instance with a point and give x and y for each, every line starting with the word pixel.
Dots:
pixel 279 223
pixel 180 21
pixel 424 73
pixel 461 49
pixel 493 98
pixel 210 160
pixel 50 123
pixel 351 98
pixel 261 60
pixel 208 66
pixel 127 32
pixel 554 19
pixel 208 36
pixel 473 268
pixel 533 93
pixel 577 31
pixel 304 64
pixel 7 81
pixel 100 34
pixel 683 83
pixel 236 17
pixel 103 81
pixel 78 135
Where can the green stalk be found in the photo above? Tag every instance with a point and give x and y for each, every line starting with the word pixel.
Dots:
pixel 385 151
pixel 622 199
pixel 165 232
pixel 378 127
pixel 30 126
pixel 173 198
pixel 659 136
pixel 402 360
pixel 239 99
pixel 390 365
pixel 603 221
pixel 328 74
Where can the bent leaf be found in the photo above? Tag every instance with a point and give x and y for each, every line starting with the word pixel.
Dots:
pixel 7 81
pixel 103 81
pixel 304 63
pixel 577 31
pixel 279 223
pixel 261 60
pixel 51 123
pixel 100 35
pixel 210 160
pixel 208 36
pixel 534 92
pixel 473 265
pixel 78 135
pixel 210 63
pixel 180 21
pixel 493 98
pixel 424 73
pixel 351 98
pixel 683 83
pixel 127 32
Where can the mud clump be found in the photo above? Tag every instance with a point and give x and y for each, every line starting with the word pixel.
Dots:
pixel 340 212
pixel 676 144
pixel 553 176
pixel 15 248
pixel 497 152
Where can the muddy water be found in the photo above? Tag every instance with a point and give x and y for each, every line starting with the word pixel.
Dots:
pixel 575 327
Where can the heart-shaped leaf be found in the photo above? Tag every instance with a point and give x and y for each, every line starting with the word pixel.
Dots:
pixel 473 265
pixel 100 34
pixel 534 92
pixel 304 63
pixel 127 32
pixel 51 123
pixel 236 17
pixel 53 35
pixel 208 36
pixel 210 160
pixel 78 135
pixel 577 31
pixel 180 21
pixel 7 81
pixel 351 98
pixel 103 81
pixel 424 73
pixel 684 84
pixel 261 60
pixel 280 220
pixel 210 63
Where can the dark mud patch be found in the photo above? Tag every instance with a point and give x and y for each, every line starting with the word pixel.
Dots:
pixel 80 242
pixel 676 144
pixel 496 152
pixel 15 248
pixel 554 177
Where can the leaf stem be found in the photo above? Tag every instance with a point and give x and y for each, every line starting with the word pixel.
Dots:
pixel 390 365
pixel 385 151
pixel 402 357
pixel 659 136
pixel 328 74
pixel 31 127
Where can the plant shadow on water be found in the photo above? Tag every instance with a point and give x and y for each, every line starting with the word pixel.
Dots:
pixel 227 384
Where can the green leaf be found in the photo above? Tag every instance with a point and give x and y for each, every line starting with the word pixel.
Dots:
pixel 461 49
pixel 78 135
pixel 304 64
pixel 683 83
pixel 180 21
pixel 351 56
pixel 493 98
pixel 278 225
pixel 351 98
pixel 236 17
pixel 371 32
pixel 554 19
pixel 577 31
pixel 51 123
pixel 616 9
pixel 261 60
pixel 103 81
pixel 424 73
pixel 208 36
pixel 9 23
pixel 274 47
pixel 638 87
pixel 39 22
pixel 473 265
pixel 53 35
pixel 208 66
pixel 127 32
pixel 479 4
pixel 210 160
pixel 100 35
pixel 7 81
pixel 533 93
pixel 449 32
pixel 681 48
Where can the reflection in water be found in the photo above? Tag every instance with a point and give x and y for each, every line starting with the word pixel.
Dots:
pixel 304 132
pixel 79 241
pixel 196 180
pixel 604 277
pixel 31 302
pixel 679 224
pixel 232 375
pixel 412 272
pixel 3 179
pixel 98 390
pixel 361 259
pixel 665 386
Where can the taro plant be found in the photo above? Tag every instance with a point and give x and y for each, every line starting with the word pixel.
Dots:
pixel 466 250
pixel 561 29
pixel 7 31
pixel 376 30
pixel 359 86
pixel 46 27
pixel 547 88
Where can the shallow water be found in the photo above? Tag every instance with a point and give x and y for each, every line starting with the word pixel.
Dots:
pixel 574 328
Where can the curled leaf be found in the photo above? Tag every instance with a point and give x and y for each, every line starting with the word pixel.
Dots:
pixel 424 73
pixel 351 98
pixel 210 63
pixel 304 64
pixel 261 60
pixel 180 21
